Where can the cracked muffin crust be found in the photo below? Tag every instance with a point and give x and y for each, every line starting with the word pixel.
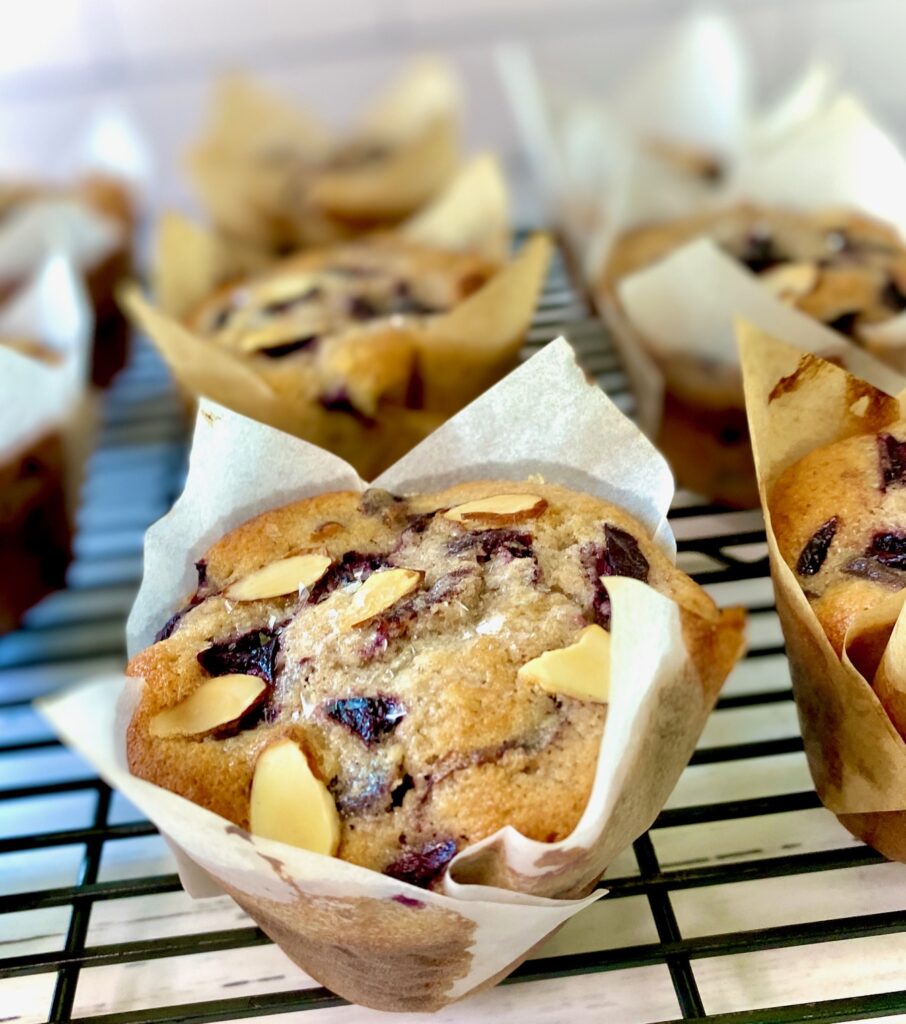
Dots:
pixel 419 670
pixel 839 515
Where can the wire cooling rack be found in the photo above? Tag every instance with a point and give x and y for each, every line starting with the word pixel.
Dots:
pixel 745 903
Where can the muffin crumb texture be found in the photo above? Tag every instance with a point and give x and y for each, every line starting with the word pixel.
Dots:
pixel 839 515
pixel 391 680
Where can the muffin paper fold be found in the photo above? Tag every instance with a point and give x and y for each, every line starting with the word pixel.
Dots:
pixel 857 758
pixel 460 353
pixel 111 146
pixel 602 156
pixel 470 213
pixel 36 397
pixel 373 939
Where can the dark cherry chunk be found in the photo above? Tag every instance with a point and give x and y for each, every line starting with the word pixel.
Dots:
pixel 845 323
pixel 618 556
pixel 812 556
pixel 893 297
pixel 759 251
pixel 254 654
pixel 353 567
pixel 370 718
pixel 169 627
pixel 624 555
pixel 889 549
pixel 423 866
pixel 360 307
pixel 874 570
pixel 488 543
pixel 339 401
pixel 892 456
pixel 287 348
pixel 172 624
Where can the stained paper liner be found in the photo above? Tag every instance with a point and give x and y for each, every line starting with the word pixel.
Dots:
pixel 460 353
pixel 857 758
pixel 373 939
pixel 262 168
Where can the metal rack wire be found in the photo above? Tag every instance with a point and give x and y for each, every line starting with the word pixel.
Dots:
pixel 62 830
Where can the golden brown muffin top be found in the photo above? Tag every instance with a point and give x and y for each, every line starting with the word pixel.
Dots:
pixel 343 318
pixel 839 515
pixel 418 714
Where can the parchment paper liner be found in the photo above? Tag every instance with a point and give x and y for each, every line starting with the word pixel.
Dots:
pixel 680 310
pixel 246 167
pixel 460 354
pixel 855 754
pixel 605 158
pixel 111 149
pixel 190 261
pixel 36 397
pixel 370 938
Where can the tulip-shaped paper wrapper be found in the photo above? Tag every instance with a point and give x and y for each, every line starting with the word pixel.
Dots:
pixel 673 320
pixel 373 939
pixel 459 353
pixel 271 174
pixel 38 397
pixel 797 403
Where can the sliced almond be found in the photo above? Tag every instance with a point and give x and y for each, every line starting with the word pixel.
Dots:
pixel 286 576
pixel 380 591
pixel 790 281
pixel 581 670
pixel 499 507
pixel 289 803
pixel 216 704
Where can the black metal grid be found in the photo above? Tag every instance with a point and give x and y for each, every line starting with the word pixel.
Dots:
pixel 142 440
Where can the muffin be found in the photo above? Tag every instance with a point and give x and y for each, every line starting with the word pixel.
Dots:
pixel 843 269
pixel 34 525
pixel 270 174
pixel 363 348
pixel 104 260
pixel 839 516
pixel 420 671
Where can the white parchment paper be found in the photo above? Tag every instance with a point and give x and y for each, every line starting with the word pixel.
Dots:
pixel 37 397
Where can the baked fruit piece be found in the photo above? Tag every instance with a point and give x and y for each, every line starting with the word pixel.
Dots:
pixel 34 526
pixel 839 515
pixel 397 710
pixel 338 335
pixel 111 199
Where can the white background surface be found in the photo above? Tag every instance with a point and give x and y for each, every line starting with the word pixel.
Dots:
pixel 60 58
